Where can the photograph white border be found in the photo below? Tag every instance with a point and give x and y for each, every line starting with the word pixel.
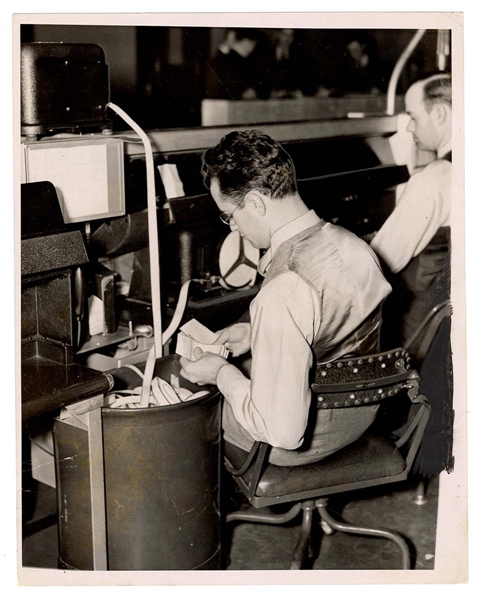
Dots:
pixel 451 555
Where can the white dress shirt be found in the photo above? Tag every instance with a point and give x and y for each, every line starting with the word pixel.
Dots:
pixel 423 207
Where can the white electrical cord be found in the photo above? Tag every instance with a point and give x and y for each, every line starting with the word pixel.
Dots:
pixel 152 225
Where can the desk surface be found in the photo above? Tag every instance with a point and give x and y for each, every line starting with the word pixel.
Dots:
pixel 48 386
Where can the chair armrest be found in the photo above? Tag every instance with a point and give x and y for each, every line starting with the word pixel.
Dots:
pixel 415 430
pixel 428 328
pixel 255 460
pixel 247 463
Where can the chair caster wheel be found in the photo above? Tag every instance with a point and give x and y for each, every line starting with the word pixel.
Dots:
pixel 420 500
pixel 420 493
pixel 327 529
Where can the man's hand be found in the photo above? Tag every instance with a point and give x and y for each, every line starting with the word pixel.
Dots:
pixel 236 338
pixel 204 370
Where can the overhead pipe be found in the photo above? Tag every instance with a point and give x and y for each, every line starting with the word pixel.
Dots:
pixel 392 86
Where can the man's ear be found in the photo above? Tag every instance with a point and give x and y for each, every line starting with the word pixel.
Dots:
pixel 441 113
pixel 254 199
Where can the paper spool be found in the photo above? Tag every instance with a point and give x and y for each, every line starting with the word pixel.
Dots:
pixel 238 262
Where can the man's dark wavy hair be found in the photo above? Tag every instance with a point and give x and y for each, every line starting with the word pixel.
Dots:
pixel 437 89
pixel 249 160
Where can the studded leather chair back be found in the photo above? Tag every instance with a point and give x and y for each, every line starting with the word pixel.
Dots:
pixel 358 381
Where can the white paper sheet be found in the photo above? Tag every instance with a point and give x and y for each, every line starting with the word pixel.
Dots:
pixel 195 335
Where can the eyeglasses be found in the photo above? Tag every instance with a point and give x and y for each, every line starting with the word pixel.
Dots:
pixel 227 217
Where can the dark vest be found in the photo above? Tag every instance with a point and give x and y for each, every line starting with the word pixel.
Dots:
pixel 325 260
pixel 345 274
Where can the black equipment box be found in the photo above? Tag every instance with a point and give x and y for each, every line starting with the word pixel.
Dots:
pixel 64 87
pixel 52 282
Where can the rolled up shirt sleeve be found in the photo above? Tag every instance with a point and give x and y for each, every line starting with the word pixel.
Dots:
pixel 273 406
pixel 423 207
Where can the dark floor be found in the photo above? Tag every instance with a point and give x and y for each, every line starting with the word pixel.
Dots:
pixel 262 547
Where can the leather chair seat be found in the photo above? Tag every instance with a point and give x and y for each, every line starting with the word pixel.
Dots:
pixel 370 457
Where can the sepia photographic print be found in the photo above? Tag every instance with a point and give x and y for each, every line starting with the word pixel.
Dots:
pixel 240 305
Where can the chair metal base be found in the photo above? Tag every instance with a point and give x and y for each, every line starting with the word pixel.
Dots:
pixel 304 547
pixel 327 529
pixel 384 533
pixel 252 516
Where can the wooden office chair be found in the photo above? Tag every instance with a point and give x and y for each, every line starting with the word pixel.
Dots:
pixel 374 459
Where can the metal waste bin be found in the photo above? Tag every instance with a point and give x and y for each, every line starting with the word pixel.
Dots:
pixel 162 471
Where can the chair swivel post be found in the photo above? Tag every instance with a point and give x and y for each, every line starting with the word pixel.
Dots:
pixel 305 536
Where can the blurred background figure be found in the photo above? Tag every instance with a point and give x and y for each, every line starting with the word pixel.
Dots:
pixel 362 70
pixel 235 73
pixel 289 70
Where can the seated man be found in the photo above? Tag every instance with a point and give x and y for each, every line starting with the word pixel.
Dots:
pixel 320 300
pixel 235 73
pixel 361 69
pixel 414 241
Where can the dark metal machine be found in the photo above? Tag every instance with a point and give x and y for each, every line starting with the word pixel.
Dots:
pixel 52 277
pixel 65 87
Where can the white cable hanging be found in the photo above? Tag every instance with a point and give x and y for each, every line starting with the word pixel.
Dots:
pixel 159 338
pixel 152 228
